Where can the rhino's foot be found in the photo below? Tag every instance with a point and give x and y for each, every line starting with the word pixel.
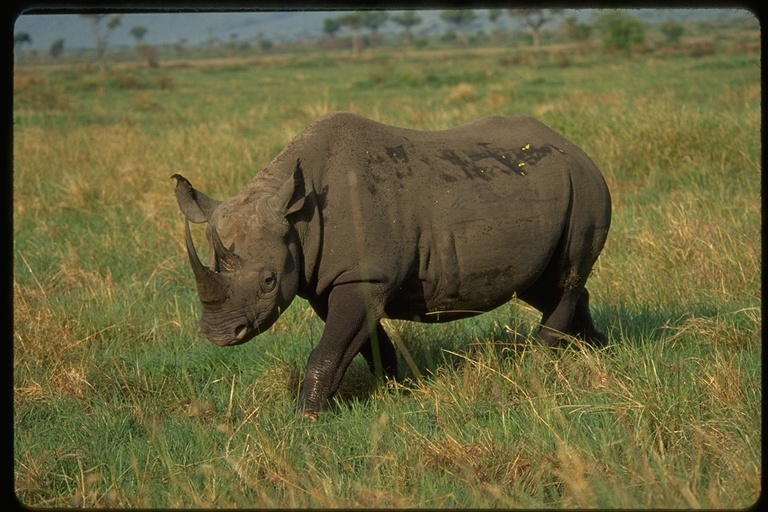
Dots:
pixel 566 319
pixel 549 338
pixel 555 340
pixel 308 409
pixel 597 339
pixel 583 327
pixel 314 397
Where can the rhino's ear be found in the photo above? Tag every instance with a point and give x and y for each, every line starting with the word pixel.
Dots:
pixel 290 196
pixel 196 206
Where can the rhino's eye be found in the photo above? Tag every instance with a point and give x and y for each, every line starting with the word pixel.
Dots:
pixel 268 280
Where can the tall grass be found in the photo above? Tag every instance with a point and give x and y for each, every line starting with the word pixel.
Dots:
pixel 119 401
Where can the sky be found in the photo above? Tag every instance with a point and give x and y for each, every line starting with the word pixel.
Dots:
pixel 279 26
pixel 165 28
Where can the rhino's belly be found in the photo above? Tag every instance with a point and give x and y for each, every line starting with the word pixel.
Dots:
pixel 457 275
pixel 425 302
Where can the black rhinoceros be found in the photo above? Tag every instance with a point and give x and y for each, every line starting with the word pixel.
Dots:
pixel 368 221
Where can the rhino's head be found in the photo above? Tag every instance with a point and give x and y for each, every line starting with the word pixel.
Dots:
pixel 253 274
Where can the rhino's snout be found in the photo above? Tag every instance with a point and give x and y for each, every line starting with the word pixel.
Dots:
pixel 229 337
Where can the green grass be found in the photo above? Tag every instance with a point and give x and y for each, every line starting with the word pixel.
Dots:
pixel 120 402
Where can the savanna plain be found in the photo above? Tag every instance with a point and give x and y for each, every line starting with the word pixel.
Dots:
pixel 119 401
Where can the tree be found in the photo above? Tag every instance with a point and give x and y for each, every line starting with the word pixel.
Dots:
pixel 265 45
pixel 577 31
pixel 461 19
pixel 144 51
pixel 57 48
pixel 372 20
pixel 535 19
pixel 331 26
pixel 262 44
pixel 353 22
pixel 232 44
pixel 138 32
pixel 179 46
pixel 102 35
pixel 20 39
pixel 672 31
pixel 620 30
pixel 494 15
pixel 213 41
pixel 407 20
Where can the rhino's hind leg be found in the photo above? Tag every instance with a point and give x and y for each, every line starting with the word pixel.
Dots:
pixel 565 314
pixel 386 352
pixel 582 325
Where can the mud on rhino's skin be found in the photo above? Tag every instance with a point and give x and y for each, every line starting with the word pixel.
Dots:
pixel 368 221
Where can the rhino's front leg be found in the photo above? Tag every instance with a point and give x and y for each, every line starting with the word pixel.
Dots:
pixel 347 330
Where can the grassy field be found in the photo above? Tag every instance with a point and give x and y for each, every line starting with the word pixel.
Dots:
pixel 119 401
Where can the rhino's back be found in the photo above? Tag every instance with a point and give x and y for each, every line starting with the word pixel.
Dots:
pixel 493 154
pixel 450 219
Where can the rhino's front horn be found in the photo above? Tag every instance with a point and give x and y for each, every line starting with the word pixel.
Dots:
pixel 211 287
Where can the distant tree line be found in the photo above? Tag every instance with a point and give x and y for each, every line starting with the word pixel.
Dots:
pixel 618 31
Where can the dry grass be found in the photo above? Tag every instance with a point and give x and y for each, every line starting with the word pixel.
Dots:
pixel 119 403
pixel 463 93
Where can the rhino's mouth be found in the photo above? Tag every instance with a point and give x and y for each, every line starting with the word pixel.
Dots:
pixel 244 330
pixel 241 333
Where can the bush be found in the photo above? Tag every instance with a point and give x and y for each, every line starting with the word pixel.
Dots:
pixel 123 79
pixel 701 49
pixel 672 31
pixel 164 82
pixel 620 31
pixel 149 54
pixel 38 93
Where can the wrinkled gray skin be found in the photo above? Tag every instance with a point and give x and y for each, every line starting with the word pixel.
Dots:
pixel 367 221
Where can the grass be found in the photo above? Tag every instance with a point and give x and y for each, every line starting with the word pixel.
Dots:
pixel 120 402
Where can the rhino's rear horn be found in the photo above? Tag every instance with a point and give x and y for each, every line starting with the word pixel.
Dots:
pixel 211 287
pixel 225 258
